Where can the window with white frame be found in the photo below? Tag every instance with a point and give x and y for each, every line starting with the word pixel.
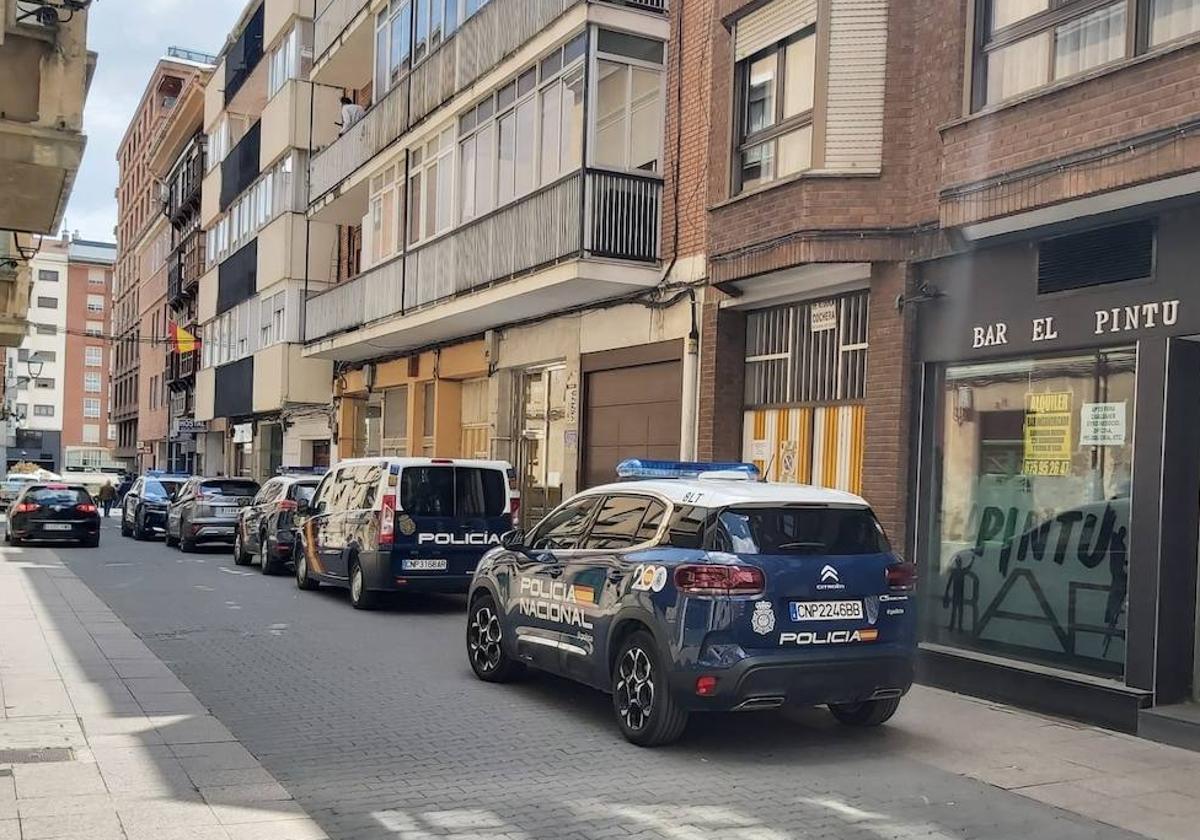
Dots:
pixel 381 228
pixel 95 277
pixel 225 135
pixel 431 187
pixel 291 58
pixel 42 410
pixel 91 433
pixel 112 431
pixel 528 134
pixel 95 303
pixel 91 408
pixel 44 383
pixel 94 329
pixel 91 382
pixel 93 356
pixel 271 314
pixel 629 102
pixel 273 193
pixel 407 31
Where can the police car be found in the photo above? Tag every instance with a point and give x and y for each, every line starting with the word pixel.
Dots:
pixel 697 588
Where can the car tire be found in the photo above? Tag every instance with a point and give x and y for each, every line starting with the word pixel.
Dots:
pixel 485 649
pixel 266 560
pixel 867 713
pixel 647 713
pixel 185 545
pixel 139 526
pixel 361 598
pixel 126 531
pixel 303 581
pixel 91 542
pixel 240 557
pixel 171 542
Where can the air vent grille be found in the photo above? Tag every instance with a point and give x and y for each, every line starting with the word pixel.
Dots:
pixel 1096 257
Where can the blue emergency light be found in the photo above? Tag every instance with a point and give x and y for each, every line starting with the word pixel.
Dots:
pixel 641 468
pixel 300 470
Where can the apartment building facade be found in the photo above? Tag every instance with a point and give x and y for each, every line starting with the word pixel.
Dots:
pixel 138 210
pixel 179 162
pixel 56 387
pixel 513 275
pixel 264 405
pixel 41 140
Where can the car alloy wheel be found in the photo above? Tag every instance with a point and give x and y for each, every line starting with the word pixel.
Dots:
pixel 356 584
pixel 635 689
pixel 483 639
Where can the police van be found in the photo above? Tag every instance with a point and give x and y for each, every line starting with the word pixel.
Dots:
pixel 378 525
pixel 695 587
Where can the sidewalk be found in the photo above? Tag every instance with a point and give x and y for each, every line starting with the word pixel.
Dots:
pixel 99 740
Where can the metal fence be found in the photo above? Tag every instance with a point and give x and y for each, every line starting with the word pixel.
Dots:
pixel 625 213
pixel 381 125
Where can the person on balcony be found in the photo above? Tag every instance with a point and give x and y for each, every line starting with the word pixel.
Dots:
pixel 352 112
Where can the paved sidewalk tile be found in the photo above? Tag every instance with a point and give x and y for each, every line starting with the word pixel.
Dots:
pixel 141 758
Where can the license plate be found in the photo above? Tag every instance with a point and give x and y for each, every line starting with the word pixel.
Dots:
pixel 424 564
pixel 826 610
pixel 56 526
pixel 226 513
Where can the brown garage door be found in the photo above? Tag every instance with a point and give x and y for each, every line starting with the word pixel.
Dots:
pixel 631 412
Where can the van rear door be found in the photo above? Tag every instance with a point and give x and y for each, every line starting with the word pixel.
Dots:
pixel 448 515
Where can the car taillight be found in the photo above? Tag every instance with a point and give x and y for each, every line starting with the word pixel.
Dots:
pixel 86 508
pixel 287 505
pixel 387 520
pixel 719 580
pixel 902 577
pixel 26 507
pixel 514 510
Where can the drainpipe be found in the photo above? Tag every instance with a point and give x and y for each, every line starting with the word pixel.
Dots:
pixel 691 385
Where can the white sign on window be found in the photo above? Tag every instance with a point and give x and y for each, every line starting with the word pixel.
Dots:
pixel 823 315
pixel 1102 424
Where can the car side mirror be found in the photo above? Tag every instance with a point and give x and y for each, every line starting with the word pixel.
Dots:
pixel 513 540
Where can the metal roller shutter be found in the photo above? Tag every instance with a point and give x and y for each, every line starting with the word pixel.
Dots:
pixel 631 412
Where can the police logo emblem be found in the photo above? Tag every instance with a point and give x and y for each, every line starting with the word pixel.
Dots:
pixel 406 525
pixel 872 604
pixel 763 618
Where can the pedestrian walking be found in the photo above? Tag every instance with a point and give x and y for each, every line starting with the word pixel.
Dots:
pixel 108 495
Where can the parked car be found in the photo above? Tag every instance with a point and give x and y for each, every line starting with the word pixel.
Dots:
pixel 403 524
pixel 266 528
pixel 144 507
pixel 205 510
pixel 12 486
pixel 702 593
pixel 54 513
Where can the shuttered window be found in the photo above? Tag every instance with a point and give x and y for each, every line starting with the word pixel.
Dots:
pixel 810 352
pixel 1096 257
pixel 771 24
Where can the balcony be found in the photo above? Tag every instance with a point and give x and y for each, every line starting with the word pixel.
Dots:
pixel 545 253
pixel 379 127
pixel 241 166
pixel 184 182
pixel 245 54
pixel 185 264
pixel 333 18
pixel 180 369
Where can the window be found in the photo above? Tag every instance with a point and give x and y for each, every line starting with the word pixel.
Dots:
pixel 431 187
pixel 35 356
pixel 393 33
pixel 1026 44
pixel 47 276
pixel 1029 550
pixel 45 329
pixel 91 408
pixel 94 329
pixel 95 277
pixel 777 93
pixel 22 383
pixel 91 383
pixel 95 303
pixel 815 531
pixel 112 431
pixel 91 433
pixel 93 356
pixel 382 225
pixel 291 58
pixel 47 302
pixel 619 524
pixel 41 410
pixel 563 528
pixel 44 383
pixel 271 315
pixel 629 109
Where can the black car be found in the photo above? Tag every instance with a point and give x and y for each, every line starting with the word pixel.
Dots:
pixel 266 527
pixel 205 510
pixel 144 508
pixel 54 513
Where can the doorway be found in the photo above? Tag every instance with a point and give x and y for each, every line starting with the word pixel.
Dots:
pixel 542 421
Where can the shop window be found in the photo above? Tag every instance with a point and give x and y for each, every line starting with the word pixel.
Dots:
pixel 1096 257
pixel 1029 544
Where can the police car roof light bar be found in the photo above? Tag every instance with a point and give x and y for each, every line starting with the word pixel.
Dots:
pixel 301 470
pixel 641 468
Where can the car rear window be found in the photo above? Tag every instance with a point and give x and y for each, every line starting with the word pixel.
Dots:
pixel 229 488
pixel 822 531
pixel 461 492
pixel 58 496
pixel 156 489
pixel 303 492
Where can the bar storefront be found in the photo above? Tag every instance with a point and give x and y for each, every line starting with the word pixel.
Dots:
pixel 1058 468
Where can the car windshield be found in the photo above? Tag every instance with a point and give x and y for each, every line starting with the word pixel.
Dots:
pixel 821 531
pixel 58 496
pixel 228 487
pixel 161 488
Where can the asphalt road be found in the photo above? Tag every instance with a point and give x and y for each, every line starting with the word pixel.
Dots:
pixel 375 724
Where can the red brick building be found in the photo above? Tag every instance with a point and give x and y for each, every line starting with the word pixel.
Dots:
pixel 87 436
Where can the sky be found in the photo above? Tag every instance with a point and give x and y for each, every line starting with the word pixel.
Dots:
pixel 130 36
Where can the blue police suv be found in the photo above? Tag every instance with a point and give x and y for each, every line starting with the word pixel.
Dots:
pixel 695 587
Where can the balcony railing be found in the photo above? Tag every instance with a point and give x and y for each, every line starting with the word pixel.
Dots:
pixel 243 55
pixel 380 126
pixel 180 367
pixel 332 19
pixel 185 264
pixel 605 214
pixel 184 183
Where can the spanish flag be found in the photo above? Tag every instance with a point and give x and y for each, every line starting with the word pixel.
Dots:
pixel 183 340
